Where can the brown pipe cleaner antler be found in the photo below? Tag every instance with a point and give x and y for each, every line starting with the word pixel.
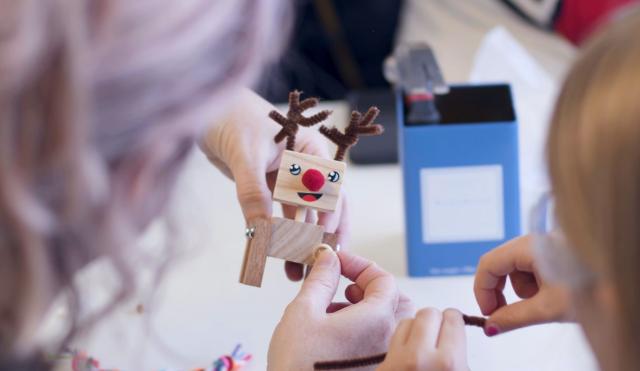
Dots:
pixel 379 358
pixel 294 118
pixel 358 125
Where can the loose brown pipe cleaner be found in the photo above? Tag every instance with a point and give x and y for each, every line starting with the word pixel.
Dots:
pixel 379 358
pixel 358 125
pixel 294 118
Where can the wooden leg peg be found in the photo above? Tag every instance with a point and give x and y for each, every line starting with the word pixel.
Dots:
pixel 255 254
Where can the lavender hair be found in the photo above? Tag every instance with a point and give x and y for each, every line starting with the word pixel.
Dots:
pixel 91 92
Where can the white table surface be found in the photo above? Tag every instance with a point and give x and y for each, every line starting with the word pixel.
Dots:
pixel 201 311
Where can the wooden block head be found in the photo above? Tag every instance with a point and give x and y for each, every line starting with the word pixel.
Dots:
pixel 309 181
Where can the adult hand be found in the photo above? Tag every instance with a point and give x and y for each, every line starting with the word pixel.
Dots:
pixel 432 341
pixel 242 146
pixel 313 329
pixel 542 302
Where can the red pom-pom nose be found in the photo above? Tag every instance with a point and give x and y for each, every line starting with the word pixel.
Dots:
pixel 313 180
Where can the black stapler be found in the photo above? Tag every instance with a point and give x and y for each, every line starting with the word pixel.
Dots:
pixel 414 70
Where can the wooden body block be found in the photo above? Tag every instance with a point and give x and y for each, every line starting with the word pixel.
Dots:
pixel 291 190
pixel 281 238
pixel 295 241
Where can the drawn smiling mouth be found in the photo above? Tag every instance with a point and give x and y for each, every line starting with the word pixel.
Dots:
pixel 310 197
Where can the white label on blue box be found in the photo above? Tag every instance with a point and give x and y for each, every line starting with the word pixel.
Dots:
pixel 462 204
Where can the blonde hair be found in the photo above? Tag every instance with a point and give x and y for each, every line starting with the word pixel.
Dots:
pixel 594 163
pixel 91 93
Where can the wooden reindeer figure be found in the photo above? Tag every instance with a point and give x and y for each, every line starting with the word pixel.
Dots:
pixel 304 181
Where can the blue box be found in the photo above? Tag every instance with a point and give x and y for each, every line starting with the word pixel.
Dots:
pixel 461 187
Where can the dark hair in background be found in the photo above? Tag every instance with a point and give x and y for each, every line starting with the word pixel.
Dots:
pixel 336 47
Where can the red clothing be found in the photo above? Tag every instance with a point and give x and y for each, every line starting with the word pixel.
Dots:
pixel 579 18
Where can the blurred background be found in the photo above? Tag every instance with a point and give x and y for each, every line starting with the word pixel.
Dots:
pixel 336 53
pixel 339 46
pixel 336 47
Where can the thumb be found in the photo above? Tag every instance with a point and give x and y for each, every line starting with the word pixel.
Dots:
pixel 253 192
pixel 533 311
pixel 320 286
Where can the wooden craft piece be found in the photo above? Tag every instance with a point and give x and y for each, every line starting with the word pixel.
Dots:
pixel 309 181
pixel 295 241
pixel 255 253
pixel 284 239
pixel 305 181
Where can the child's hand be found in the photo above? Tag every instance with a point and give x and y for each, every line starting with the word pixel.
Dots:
pixel 313 329
pixel 432 341
pixel 542 302
pixel 242 146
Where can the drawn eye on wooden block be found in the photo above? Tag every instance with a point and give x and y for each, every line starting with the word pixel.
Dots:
pixel 309 181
